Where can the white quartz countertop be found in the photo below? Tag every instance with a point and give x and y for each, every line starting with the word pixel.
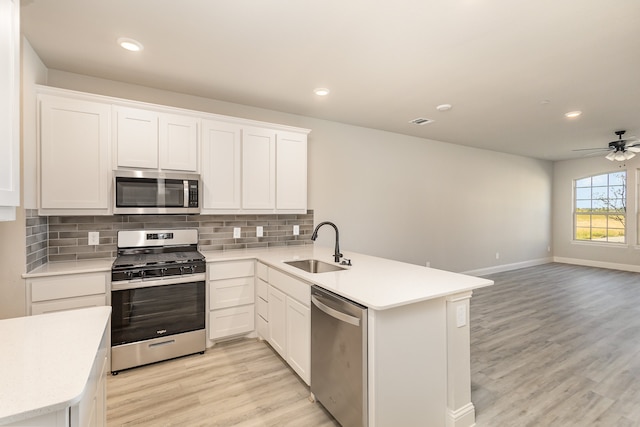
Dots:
pixel 377 283
pixel 46 360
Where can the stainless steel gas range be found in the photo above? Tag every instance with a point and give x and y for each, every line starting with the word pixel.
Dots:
pixel 157 296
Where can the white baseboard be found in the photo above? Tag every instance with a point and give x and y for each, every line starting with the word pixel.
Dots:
pixel 599 264
pixel 462 417
pixel 507 267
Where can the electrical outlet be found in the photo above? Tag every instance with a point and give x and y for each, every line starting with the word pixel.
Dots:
pixel 236 232
pixel 296 230
pixel 497 255
pixel 428 264
pixel 94 238
pixel 548 248
pixel 259 231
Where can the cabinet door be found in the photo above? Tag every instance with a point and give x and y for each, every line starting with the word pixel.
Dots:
pixel 291 171
pixel 220 166
pixel 136 138
pixel 231 321
pixel 10 104
pixel 299 338
pixel 178 142
pixel 277 321
pixel 74 154
pixel 258 168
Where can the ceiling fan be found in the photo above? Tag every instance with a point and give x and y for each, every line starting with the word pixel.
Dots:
pixel 620 149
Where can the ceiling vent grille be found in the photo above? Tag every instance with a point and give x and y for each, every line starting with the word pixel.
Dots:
pixel 420 121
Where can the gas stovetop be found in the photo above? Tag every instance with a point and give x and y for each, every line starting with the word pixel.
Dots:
pixel 153 254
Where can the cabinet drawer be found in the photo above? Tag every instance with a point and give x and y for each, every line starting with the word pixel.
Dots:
pixel 67 286
pixel 68 304
pixel 263 309
pixel 262 289
pixel 295 288
pixel 262 271
pixel 231 292
pixel 231 321
pixel 227 270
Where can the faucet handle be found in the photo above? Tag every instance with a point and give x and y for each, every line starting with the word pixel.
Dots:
pixel 346 262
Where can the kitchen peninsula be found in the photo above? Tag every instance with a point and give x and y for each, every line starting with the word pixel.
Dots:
pixel 53 369
pixel 418 326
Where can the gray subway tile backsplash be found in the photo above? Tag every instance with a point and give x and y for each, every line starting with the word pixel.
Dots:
pixel 65 238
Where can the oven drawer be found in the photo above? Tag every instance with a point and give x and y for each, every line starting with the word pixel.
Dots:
pixel 231 321
pixel 230 269
pixel 231 292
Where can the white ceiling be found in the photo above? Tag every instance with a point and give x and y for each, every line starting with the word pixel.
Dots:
pixel 386 62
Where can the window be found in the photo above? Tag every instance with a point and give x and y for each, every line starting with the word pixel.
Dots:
pixel 601 207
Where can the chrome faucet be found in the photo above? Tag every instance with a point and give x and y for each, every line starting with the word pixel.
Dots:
pixel 337 255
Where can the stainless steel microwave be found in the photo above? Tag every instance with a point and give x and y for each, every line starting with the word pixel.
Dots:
pixel 147 192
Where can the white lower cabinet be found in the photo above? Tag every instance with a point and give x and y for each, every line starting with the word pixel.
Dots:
pixel 289 321
pixel 278 321
pixel 67 292
pixel 299 338
pixel 231 287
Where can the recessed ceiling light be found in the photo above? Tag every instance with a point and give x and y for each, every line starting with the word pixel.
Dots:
pixel 444 107
pixel 321 91
pixel 130 44
pixel 572 114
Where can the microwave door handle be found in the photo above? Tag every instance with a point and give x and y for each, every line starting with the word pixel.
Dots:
pixel 185 197
pixel 162 189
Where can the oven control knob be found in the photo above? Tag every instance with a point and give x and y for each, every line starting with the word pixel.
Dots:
pixel 163 270
pixel 193 269
pixel 142 273
pixel 128 275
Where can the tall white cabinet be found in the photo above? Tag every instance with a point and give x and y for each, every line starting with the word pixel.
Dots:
pixel 9 108
pixel 221 168
pixel 74 156
pixel 258 168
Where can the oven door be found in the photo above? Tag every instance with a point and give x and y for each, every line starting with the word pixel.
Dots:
pixel 144 313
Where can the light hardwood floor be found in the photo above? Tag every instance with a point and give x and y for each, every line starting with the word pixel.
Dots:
pixel 552 345
pixel 557 345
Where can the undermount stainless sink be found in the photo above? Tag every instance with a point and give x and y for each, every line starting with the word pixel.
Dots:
pixel 314 266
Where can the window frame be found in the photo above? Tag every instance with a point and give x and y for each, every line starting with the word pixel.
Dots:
pixel 600 205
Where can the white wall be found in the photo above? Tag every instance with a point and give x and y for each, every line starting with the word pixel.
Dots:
pixel 396 196
pixel 623 256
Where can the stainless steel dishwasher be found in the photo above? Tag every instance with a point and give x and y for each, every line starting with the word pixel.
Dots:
pixel 339 356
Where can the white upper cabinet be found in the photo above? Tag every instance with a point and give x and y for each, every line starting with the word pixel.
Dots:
pixel 74 156
pixel 221 168
pixel 291 171
pixel 258 168
pixel 136 135
pixel 9 108
pixel 152 140
pixel 178 142
pixel 245 166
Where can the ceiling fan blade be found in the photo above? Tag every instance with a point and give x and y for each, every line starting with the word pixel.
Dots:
pixel 633 148
pixel 591 149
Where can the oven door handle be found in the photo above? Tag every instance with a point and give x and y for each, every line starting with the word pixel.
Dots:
pixel 172 280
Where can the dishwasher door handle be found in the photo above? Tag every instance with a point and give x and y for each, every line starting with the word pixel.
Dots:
pixel 335 313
